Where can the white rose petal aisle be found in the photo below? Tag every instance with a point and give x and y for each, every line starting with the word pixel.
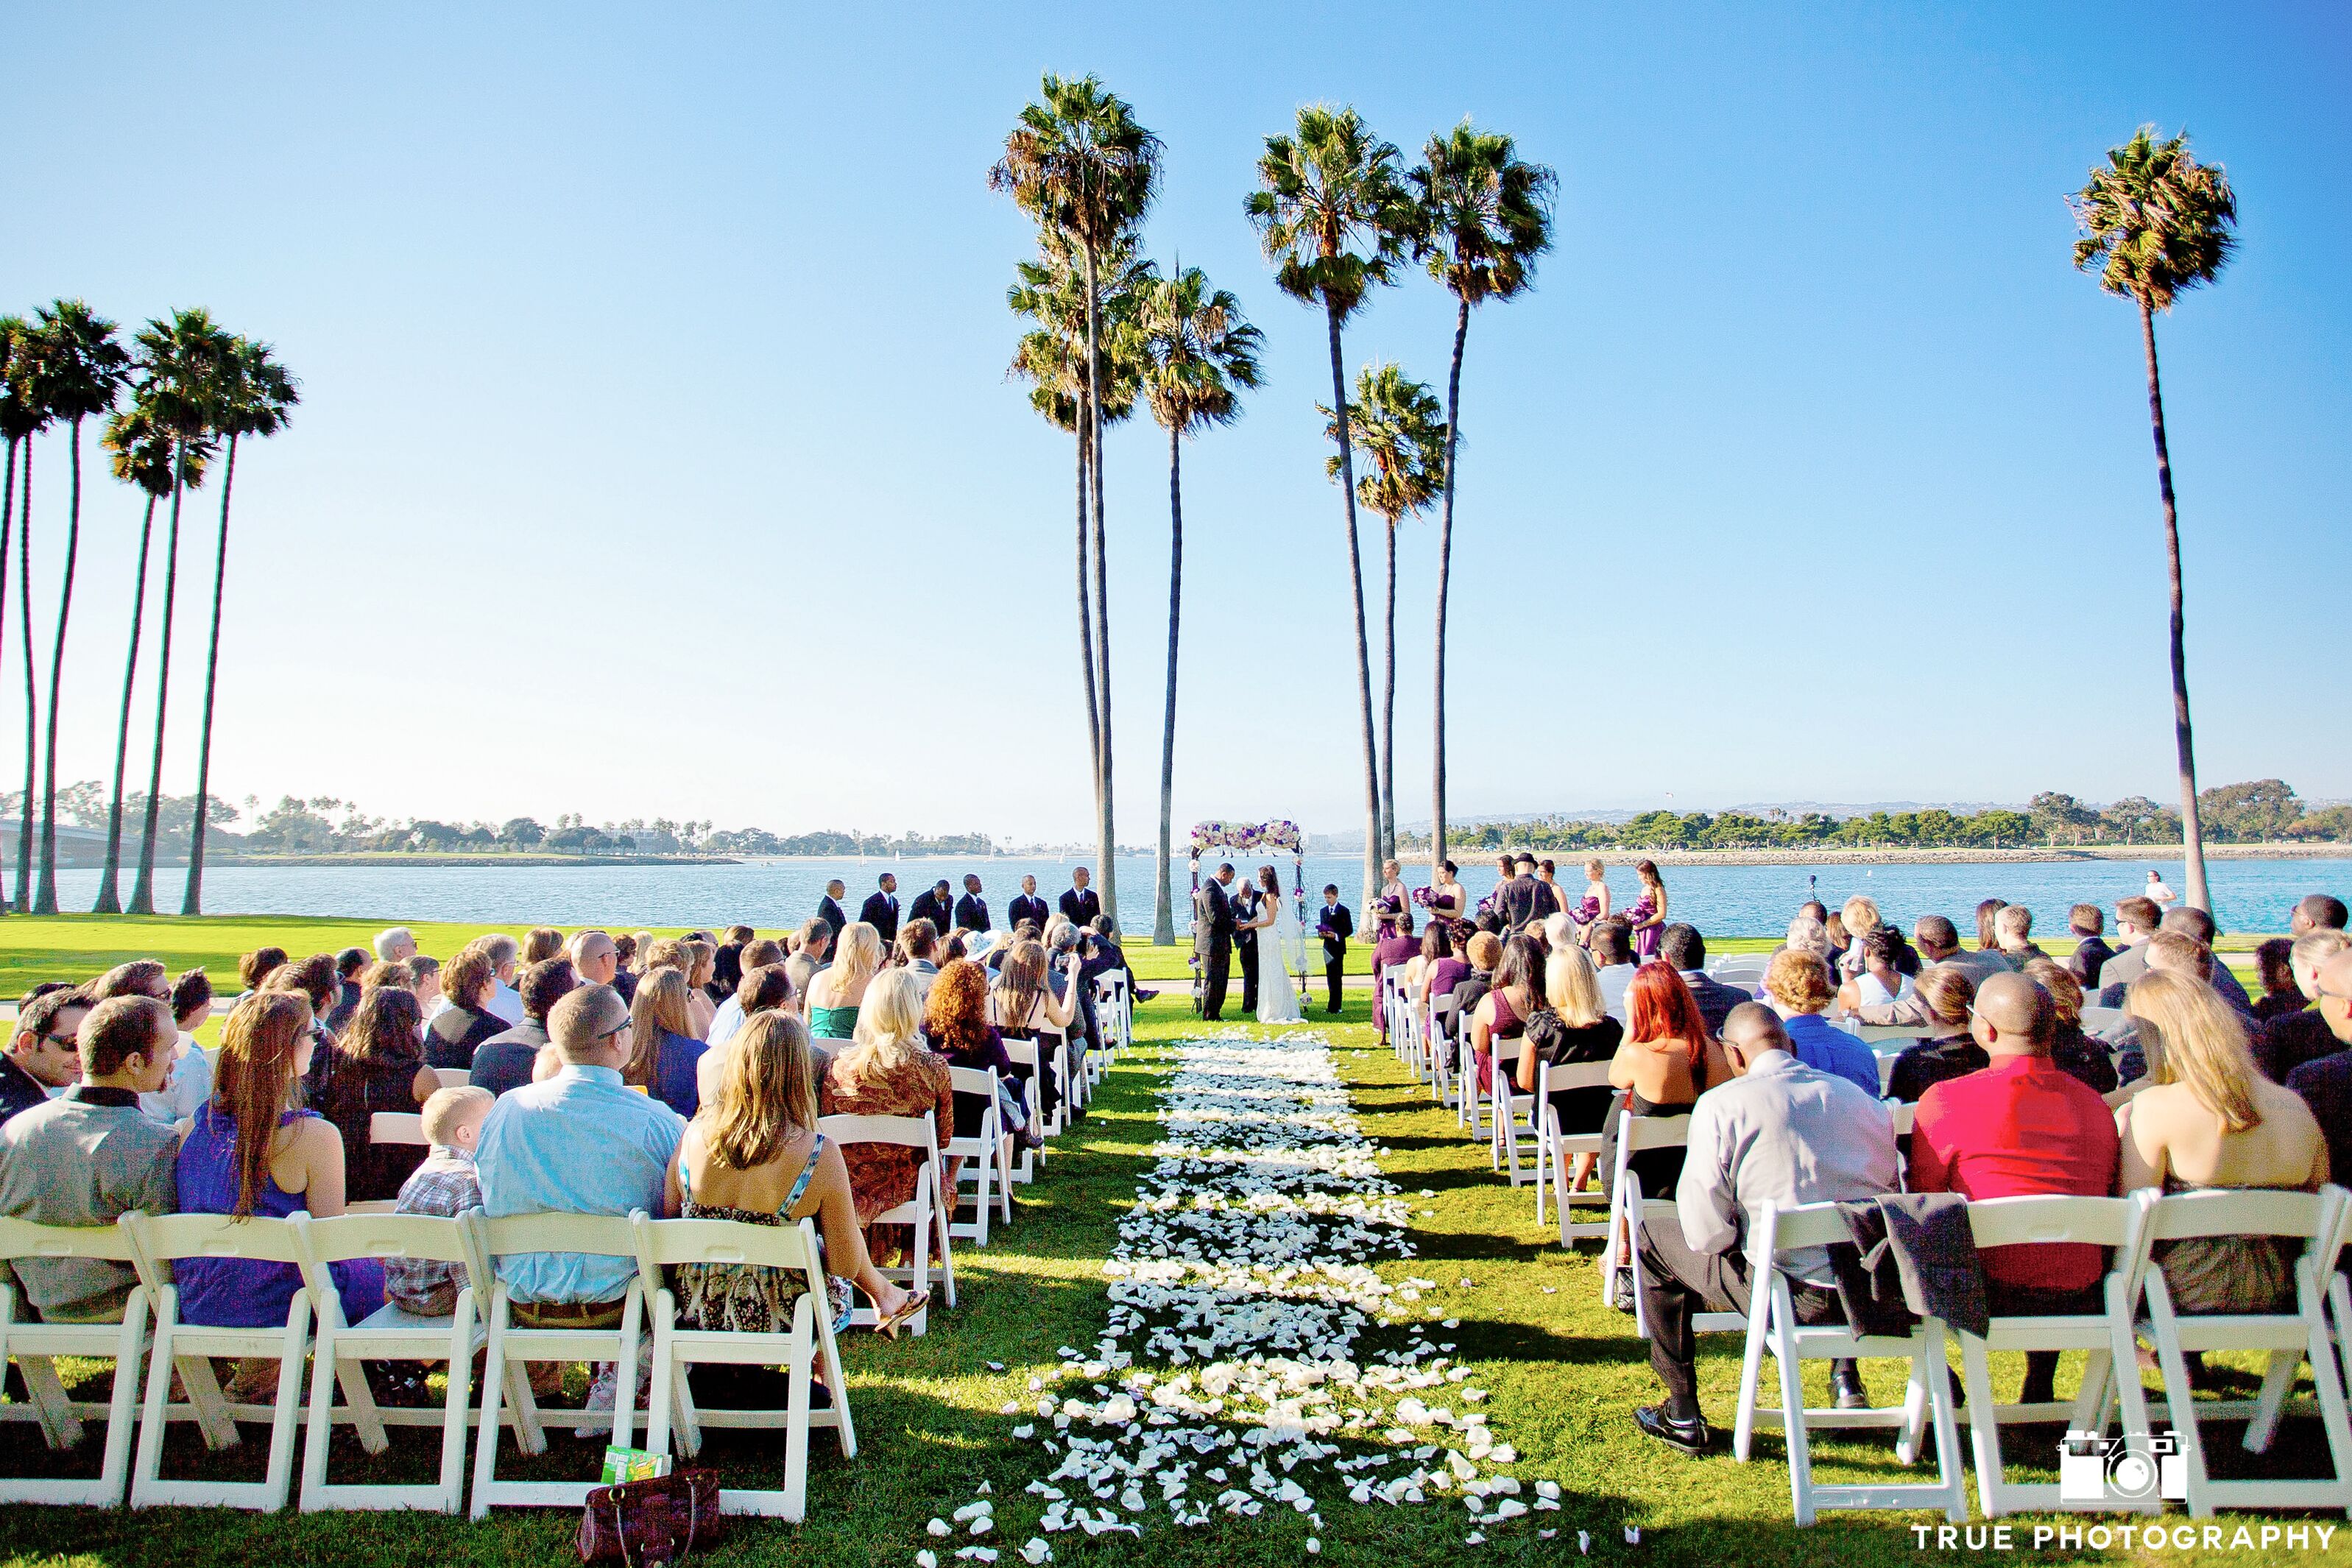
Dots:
pixel 1254 1360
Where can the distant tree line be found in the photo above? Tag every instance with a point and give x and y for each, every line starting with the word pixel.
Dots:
pixel 2264 811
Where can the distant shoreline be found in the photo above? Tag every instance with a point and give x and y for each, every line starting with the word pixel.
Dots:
pixel 2089 852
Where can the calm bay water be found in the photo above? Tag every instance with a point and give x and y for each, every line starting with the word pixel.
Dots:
pixel 1735 900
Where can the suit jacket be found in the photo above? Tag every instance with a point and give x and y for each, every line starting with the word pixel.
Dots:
pixel 1246 905
pixel 2090 955
pixel 1024 908
pixel 1341 925
pixel 929 906
pixel 881 912
pixel 1542 903
pixel 1081 907
pixel 832 914
pixel 1715 999
pixel 972 913
pixel 2127 965
pixel 2326 1086
pixel 1515 901
pixel 1212 920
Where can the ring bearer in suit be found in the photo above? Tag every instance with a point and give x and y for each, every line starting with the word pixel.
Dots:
pixel 1335 925
pixel 1212 940
pixel 1027 907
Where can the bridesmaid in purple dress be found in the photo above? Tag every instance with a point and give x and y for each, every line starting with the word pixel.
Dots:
pixel 1595 907
pixel 1648 914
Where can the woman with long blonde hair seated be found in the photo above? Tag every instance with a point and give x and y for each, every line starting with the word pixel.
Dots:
pixel 890 1072
pixel 835 994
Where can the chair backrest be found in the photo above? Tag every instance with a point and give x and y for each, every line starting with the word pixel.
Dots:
pixel 1898 1112
pixel 597 1235
pixel 419 1237
pixel 973 1080
pixel 2102 1020
pixel 668 1243
pixel 1636 1134
pixel 2046 1217
pixel 1555 1078
pixel 2243 1211
pixel 396 1127
pixel 161 1237
pixel 905 1132
pixel 23 1238
pixel 1781 1229
pixel 1023 1054
pixel 454 1077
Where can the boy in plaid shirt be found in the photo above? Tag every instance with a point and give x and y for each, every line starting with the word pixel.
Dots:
pixel 444 1184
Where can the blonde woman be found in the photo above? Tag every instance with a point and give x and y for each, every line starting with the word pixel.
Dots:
pixel 665 1051
pixel 1572 1029
pixel 888 1071
pixel 756 1157
pixel 835 996
pixel 1861 918
pixel 539 944
pixel 2207 1118
pixel 700 962
pixel 1595 909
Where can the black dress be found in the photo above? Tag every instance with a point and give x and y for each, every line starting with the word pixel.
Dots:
pixel 1580 1111
pixel 456 1031
pixel 1926 1063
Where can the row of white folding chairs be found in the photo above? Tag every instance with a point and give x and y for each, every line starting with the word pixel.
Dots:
pixel 1114 1007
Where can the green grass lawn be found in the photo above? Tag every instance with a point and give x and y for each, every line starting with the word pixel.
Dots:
pixel 1563 1369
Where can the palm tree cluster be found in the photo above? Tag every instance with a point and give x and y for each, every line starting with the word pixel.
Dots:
pixel 169 401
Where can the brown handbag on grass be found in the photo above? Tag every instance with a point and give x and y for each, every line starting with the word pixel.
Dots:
pixel 640 1524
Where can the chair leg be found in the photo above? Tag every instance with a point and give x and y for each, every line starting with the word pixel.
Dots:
pixel 658 1399
pixel 148 1467
pixel 796 1433
pixel 2333 1415
pixel 493 1382
pixel 364 1415
pixel 1792 1410
pixel 60 1428
pixel 280 1477
pixel 322 1418
pixel 2176 1392
pixel 211 1405
pixel 457 1406
pixel 1751 1369
pixel 1935 1377
pixel 625 1374
pixel 122 1404
pixel 1984 1428
pixel 2278 1382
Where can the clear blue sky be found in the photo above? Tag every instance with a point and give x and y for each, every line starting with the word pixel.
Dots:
pixel 656 454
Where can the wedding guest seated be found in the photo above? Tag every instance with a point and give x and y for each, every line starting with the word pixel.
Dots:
pixel 726 974
pixel 2022 1125
pixel 2209 1119
pixel 918 946
pixel 539 944
pixel 1988 925
pixel 1668 1058
pixel 426 972
pixel 381 1069
pixel 756 1157
pixel 2287 1043
pixel 2136 919
pixel 1860 917
pixel 1780 1131
pixel 2197 926
pixel 1681 945
pixel 767 989
pixel 466 983
pixel 731 1011
pixel 835 996
pixel 253 1150
pixel 505 1001
pixel 814 954
pixel 2315 912
pixel 44 1056
pixel 255 967
pixel 1442 970
pixel 1798 985
pixel 596 959
pixel 1022 1002
pixel 1396 948
pixel 1102 954
pixel 139 977
pixel 1950 1048
pixel 579 1142
pixel 700 964
pixel 1413 975
pixel 1876 980
pixel 664 1054
pixel 1570 1030
pixel 445 1186
pixel 2088 924
pixel 2274 967
pixel 955 1023
pixel 507 1058
pixel 90 1156
pixel 190 1083
pixel 628 947
pixel 1484 952
pixel 1612 957
pixel 1503 1013
pixel 889 1071
pixel 396 945
pixel 2324 1082
pixel 1806 934
pixel 1938 941
pixel 2088 1061
pixel 2013 927
pixel 349 964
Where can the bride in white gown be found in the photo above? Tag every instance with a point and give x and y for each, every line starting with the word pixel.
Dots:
pixel 1278 953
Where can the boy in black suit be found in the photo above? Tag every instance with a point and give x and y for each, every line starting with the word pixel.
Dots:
pixel 1335 925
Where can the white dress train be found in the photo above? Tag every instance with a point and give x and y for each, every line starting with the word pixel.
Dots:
pixel 1277 970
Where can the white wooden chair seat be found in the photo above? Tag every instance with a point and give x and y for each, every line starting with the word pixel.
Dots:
pixel 34 1345
pixel 926 1213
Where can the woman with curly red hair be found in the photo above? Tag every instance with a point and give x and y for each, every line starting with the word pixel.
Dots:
pixel 955 1021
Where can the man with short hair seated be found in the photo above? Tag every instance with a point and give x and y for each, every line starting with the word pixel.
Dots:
pixel 1612 957
pixel 2020 1125
pixel 1798 985
pixel 505 1060
pixel 2137 919
pixel 2288 1041
pixel 1778 1130
pixel 1938 941
pixel 1681 945
pixel 92 1155
pixel 2200 927
pixel 2013 929
pixel 2325 1082
pixel 2315 912
pixel 578 1142
pixel 596 959
pixel 761 955
pixel 43 1058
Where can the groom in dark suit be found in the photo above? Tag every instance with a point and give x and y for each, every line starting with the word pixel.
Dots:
pixel 1212 940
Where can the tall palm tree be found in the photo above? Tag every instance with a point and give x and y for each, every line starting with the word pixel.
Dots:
pixel 1394 422
pixel 2155 223
pixel 1334 216
pixel 180 362
pixel 30 414
pixel 19 418
pixel 1082 166
pixel 82 368
pixel 1199 352
pixel 256 397
pixel 139 452
pixel 1486 216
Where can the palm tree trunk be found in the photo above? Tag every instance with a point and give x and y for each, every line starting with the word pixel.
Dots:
pixel 1363 646
pixel 32 722
pixel 44 898
pixel 1087 622
pixel 108 900
pixel 1107 812
pixel 7 528
pixel 1388 712
pixel 2192 832
pixel 1444 569
pixel 192 901
pixel 142 886
pixel 1163 914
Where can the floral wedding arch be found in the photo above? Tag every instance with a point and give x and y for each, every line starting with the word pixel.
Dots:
pixel 1269 838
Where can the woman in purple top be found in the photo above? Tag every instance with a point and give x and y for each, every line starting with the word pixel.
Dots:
pixel 1441 970
pixel 1647 917
pixel 249 1153
pixel 1397 947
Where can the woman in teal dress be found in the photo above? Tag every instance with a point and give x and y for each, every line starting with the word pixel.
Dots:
pixel 833 995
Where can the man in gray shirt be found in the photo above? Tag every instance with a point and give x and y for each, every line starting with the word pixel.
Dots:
pixel 1778 1130
pixel 92 1155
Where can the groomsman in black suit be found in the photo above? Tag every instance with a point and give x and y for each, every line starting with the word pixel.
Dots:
pixel 828 908
pixel 1246 904
pixel 1027 907
pixel 1335 925
pixel 881 910
pixel 1081 904
pixel 1212 940
pixel 933 904
pixel 972 909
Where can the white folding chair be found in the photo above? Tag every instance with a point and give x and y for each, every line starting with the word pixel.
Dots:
pixel 1115 1005
pixel 33 1345
pixel 2115 1224
pixel 1025 1056
pixel 388 1334
pixel 1777 1232
pixel 2291 1337
pixel 1737 967
pixel 159 1239
pixel 987 1153
pixel 454 1077
pixel 1559 1148
pixel 1515 1116
pixel 1054 1046
pixel 926 1212
pixel 666 1244
pixel 512 1349
pixel 1436 1026
pixel 1635 1135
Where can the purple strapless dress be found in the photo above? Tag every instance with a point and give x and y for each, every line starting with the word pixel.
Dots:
pixel 1645 938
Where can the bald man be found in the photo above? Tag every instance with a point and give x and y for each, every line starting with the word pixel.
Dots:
pixel 2325 1085
pixel 597 961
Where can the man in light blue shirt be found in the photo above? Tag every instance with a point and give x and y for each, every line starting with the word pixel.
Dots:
pixel 579 1142
pixel 1798 987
